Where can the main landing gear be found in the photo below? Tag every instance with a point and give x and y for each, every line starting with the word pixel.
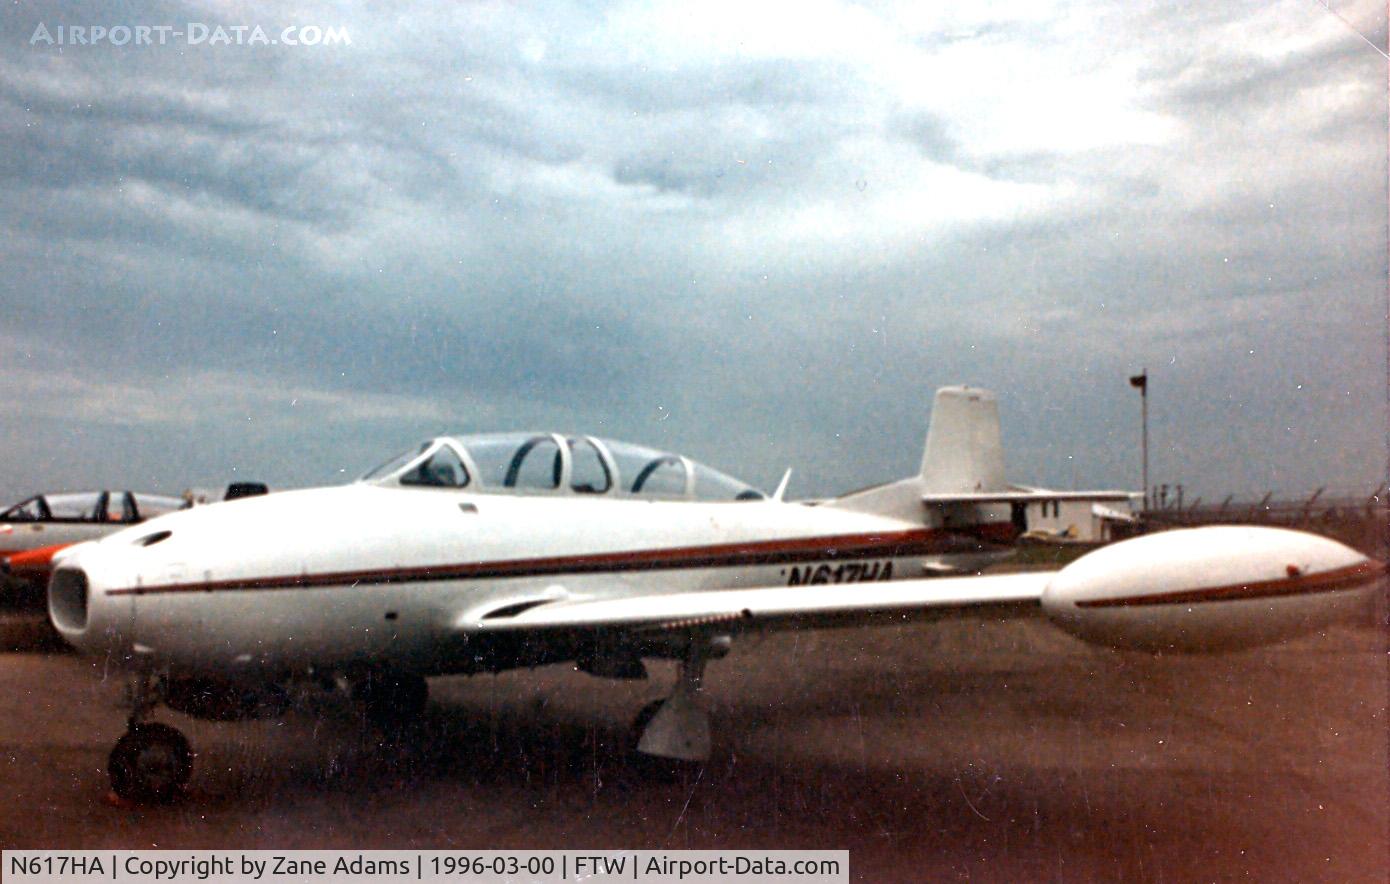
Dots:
pixel 677 728
pixel 152 762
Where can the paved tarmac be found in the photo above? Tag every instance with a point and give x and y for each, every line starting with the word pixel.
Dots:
pixel 994 752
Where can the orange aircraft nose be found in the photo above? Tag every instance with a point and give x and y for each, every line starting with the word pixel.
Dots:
pixel 33 564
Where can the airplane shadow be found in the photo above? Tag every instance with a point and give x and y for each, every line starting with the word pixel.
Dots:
pixel 578 777
pixel 27 630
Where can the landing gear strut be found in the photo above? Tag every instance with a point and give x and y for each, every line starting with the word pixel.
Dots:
pixel 152 762
pixel 678 727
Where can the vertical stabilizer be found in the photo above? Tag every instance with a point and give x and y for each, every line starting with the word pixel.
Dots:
pixel 964 453
pixel 963 456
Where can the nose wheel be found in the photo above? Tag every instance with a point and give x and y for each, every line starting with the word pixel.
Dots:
pixel 150 764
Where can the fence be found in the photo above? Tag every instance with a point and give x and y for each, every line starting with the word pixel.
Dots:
pixel 1358 520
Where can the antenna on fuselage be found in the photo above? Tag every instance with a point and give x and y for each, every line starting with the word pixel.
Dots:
pixel 782 485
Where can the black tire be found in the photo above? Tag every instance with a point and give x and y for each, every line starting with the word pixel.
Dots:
pixel 150 764
pixel 393 699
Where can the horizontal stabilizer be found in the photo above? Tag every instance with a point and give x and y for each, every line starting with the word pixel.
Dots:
pixel 1021 497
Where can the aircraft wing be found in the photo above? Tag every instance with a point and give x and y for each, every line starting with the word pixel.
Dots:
pixel 983 497
pixel 772 608
pixel 1224 586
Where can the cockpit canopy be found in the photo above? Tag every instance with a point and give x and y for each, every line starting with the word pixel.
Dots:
pixel 557 464
pixel 91 506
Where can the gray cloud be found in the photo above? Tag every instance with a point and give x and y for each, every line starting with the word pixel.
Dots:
pixel 762 251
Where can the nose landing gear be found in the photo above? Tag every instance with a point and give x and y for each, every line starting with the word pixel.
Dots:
pixel 152 761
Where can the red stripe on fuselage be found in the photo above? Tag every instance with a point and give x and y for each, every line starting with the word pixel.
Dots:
pixel 1336 580
pixel 926 541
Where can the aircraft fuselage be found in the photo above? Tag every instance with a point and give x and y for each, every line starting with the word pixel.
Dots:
pixel 330 577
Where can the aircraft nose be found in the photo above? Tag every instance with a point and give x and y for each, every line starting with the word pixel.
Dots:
pixel 84 615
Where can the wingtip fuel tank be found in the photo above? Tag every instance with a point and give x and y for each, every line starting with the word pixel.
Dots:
pixel 1210 589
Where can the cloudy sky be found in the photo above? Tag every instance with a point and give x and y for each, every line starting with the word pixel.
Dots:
pixel 758 234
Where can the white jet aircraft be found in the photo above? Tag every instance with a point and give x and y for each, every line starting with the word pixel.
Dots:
pixel 486 553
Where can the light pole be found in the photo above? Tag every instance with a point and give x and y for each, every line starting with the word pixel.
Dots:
pixel 1141 381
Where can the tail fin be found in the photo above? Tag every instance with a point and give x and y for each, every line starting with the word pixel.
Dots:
pixel 963 456
pixel 964 453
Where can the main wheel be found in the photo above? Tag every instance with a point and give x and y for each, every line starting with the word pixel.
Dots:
pixel 392 699
pixel 150 763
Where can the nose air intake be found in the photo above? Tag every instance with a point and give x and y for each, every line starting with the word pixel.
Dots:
pixel 67 599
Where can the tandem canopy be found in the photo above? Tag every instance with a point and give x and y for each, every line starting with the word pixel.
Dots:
pixel 91 506
pixel 556 464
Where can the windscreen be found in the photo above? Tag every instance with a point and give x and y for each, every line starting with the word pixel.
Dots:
pixel 396 462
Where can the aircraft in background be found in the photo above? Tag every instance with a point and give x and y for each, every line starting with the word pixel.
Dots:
pixel 486 553
pixel 33 531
